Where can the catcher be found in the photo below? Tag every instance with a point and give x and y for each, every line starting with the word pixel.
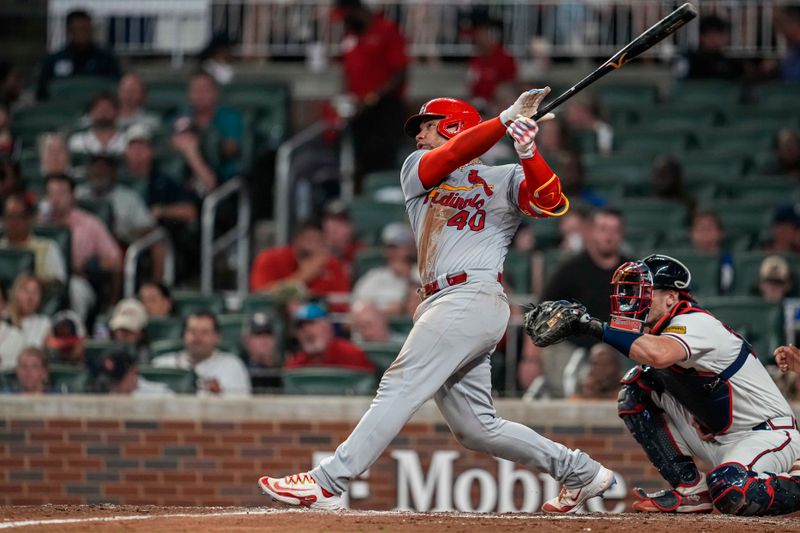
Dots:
pixel 699 392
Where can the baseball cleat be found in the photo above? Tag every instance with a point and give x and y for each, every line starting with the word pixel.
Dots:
pixel 569 500
pixel 300 490
pixel 671 501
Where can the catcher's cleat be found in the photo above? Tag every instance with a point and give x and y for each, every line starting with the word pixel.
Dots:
pixel 300 490
pixel 671 501
pixel 569 500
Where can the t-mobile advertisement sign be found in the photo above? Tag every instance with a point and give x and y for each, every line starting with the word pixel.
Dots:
pixel 441 488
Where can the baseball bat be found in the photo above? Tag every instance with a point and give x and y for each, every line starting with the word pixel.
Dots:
pixel 661 29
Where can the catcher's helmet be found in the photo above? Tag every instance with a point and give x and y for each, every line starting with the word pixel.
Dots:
pixel 668 273
pixel 456 116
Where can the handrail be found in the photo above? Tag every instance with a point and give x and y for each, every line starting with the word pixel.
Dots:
pixel 136 248
pixel 283 178
pixel 239 235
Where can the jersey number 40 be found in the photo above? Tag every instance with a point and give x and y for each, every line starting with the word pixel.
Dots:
pixel 462 218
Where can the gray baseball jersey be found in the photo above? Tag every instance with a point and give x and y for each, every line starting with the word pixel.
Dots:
pixel 467 221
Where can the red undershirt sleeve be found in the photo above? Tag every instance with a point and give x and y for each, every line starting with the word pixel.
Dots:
pixel 458 151
pixel 540 193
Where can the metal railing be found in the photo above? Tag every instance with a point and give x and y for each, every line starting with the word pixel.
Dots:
pixel 138 247
pixel 238 235
pixel 434 28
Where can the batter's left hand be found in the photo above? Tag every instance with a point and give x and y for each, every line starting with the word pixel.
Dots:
pixel 523 131
pixel 788 358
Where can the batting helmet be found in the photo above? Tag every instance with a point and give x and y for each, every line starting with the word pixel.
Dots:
pixel 456 116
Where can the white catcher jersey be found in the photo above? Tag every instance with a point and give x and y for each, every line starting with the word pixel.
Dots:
pixel 467 221
pixel 711 347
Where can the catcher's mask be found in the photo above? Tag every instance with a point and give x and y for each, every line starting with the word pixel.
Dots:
pixel 631 295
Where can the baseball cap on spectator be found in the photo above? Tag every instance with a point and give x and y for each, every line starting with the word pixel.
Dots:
pixel 67 330
pixel 259 324
pixel 397 234
pixel 139 132
pixel 788 214
pixel 774 268
pixel 310 311
pixel 337 209
pixel 129 314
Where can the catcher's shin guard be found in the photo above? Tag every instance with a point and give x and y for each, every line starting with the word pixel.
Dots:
pixel 736 490
pixel 648 426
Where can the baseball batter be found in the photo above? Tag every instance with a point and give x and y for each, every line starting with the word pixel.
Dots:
pixel 464 215
pixel 700 392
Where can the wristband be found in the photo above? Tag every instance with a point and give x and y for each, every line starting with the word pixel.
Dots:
pixel 619 339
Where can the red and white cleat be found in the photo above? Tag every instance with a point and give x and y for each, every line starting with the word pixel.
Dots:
pixel 569 500
pixel 301 490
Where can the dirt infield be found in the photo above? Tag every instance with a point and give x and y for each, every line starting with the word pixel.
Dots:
pixel 131 519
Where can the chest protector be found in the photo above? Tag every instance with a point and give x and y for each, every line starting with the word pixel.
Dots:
pixel 708 396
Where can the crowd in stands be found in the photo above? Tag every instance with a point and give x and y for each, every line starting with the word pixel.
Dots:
pixel 342 294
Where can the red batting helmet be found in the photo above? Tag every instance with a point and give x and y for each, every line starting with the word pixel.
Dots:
pixel 456 116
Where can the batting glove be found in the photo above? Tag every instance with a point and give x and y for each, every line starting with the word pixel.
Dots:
pixel 526 105
pixel 523 131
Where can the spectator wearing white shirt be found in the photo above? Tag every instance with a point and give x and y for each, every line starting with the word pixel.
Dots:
pixel 391 287
pixel 218 372
pixel 11 345
pixel 23 310
pixel 103 135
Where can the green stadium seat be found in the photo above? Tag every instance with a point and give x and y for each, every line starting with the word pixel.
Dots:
pixel 80 90
pixel 230 329
pixel 652 142
pixel 375 181
pixel 772 190
pixel 717 166
pixel 381 354
pixel 544 264
pixel 96 349
pixel 746 266
pixel 642 238
pixel 28 123
pixel 370 217
pixel 163 328
pixel 166 346
pixel 622 168
pixel 254 303
pixel 743 216
pixel 684 116
pixel 711 93
pixel 704 268
pixel 65 378
pixel 653 214
pixel 328 381
pixel 99 208
pixel 270 103
pixel 759 322
pixel 187 302
pixel 401 324
pixel 778 96
pixel 615 96
pixel 517 272
pixel 166 97
pixel 177 379
pixel 732 141
pixel 546 229
pixel 14 262
pixel 367 259
pixel 8 380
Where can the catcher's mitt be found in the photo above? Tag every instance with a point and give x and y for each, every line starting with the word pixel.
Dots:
pixel 551 322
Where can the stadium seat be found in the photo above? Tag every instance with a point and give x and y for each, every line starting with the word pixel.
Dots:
pixel 712 93
pixel 255 303
pixel 401 324
pixel 741 217
pixel 773 190
pixel 781 97
pixel 66 378
pixel 653 214
pixel 14 262
pixel 166 97
pixel 381 354
pixel 716 166
pixel 99 208
pixel 729 140
pixel 30 122
pixel 8 380
pixel 667 142
pixel 269 102
pixel 626 97
pixel 328 380
pixel 546 229
pixel 177 379
pixel 759 322
pixel 747 264
pixel 370 217
pixel 517 271
pixel 96 349
pixel 704 268
pixel 79 90
pixel 375 181
pixel 230 329
pixel 162 328
pixel 166 346
pixel 626 168
pixel 366 259
pixel 187 302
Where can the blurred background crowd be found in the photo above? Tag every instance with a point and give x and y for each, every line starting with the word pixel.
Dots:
pixel 217 210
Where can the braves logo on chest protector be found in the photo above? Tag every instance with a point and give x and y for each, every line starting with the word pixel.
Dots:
pixel 707 395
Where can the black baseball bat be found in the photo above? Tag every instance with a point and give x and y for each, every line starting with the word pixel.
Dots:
pixel 661 29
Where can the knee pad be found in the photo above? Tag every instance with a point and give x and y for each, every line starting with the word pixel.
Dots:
pixel 736 490
pixel 646 422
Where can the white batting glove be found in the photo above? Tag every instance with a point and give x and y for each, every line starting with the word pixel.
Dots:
pixel 526 105
pixel 523 131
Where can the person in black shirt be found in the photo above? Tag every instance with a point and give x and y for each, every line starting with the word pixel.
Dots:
pixel 80 57
pixel 709 61
pixel 584 277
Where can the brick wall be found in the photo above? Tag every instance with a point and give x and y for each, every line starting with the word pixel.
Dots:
pixel 208 462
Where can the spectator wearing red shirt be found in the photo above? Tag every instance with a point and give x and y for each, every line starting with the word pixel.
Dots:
pixel 319 346
pixel 305 261
pixel 374 61
pixel 492 65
